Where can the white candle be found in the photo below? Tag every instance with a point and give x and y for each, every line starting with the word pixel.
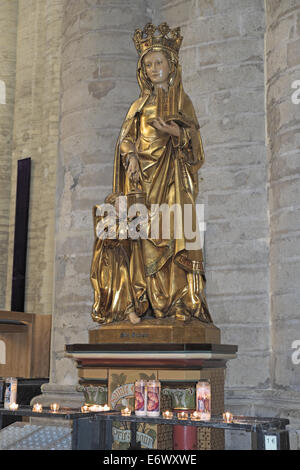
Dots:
pixel 126 412
pixel 13 406
pixel 54 407
pixel 182 415
pixel 196 416
pixel 227 417
pixel 168 414
pixel 96 408
pixel 37 408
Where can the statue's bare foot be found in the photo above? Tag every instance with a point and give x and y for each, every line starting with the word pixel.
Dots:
pixel 134 318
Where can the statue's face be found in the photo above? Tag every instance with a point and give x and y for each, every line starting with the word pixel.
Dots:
pixel 157 68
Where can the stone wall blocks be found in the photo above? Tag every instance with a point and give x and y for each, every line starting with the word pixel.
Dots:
pixel 228 281
pixel 285 220
pixel 287 140
pixel 212 79
pixel 91 118
pixel 279 86
pixel 71 28
pixel 234 177
pixel 96 176
pixel 285 165
pixel 90 145
pixel 97 41
pixel 284 193
pixel 239 309
pixel 286 275
pixel 236 229
pixel 233 205
pixel 92 94
pixel 284 247
pixel 235 51
pixel 277 10
pixel 235 101
pixel 205 29
pixel 252 23
pixel 122 16
pixel 79 70
pixel 250 338
pixel 236 253
pixel 235 154
pixel 238 127
pixel 245 372
pixel 285 371
pixel 285 305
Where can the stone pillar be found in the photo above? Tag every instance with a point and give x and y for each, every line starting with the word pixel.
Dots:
pixel 222 57
pixel 283 143
pixel 98 85
pixel 8 40
pixel 36 120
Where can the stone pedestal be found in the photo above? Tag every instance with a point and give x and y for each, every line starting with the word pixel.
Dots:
pixel 117 366
pixel 157 331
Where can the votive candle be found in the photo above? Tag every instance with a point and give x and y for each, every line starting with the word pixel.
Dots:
pixel 37 408
pixel 54 407
pixel 126 411
pixel 13 406
pixel 182 415
pixel 196 416
pixel 96 408
pixel 227 417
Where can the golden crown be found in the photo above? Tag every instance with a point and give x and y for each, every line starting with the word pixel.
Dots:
pixel 162 36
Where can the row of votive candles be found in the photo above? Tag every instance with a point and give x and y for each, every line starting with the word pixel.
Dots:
pixel 195 416
pixel 37 407
pixel 54 407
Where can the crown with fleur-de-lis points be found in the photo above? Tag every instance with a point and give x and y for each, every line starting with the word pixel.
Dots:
pixel 159 36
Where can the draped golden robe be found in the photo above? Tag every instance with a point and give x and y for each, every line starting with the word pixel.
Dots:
pixel 161 277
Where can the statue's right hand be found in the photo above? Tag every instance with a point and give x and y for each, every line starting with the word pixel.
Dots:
pixel 133 170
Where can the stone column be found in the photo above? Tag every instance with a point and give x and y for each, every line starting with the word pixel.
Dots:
pixel 283 143
pixel 8 40
pixel 35 135
pixel 98 85
pixel 222 57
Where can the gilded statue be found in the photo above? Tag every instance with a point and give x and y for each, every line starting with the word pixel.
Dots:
pixel 157 157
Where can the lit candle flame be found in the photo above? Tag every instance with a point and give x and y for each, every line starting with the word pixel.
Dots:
pixel 13 406
pixel 37 408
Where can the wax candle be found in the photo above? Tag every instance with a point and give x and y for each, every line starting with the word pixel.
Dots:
pixel 203 397
pixel 168 414
pixel 13 406
pixel 96 408
pixel 227 417
pixel 37 408
pixel 126 411
pixel 196 416
pixel 182 415
pixel 54 407
pixel 153 398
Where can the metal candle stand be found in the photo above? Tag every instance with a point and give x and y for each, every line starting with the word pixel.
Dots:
pixel 93 431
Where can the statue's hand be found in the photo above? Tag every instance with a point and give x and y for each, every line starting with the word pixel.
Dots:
pixel 172 128
pixel 133 170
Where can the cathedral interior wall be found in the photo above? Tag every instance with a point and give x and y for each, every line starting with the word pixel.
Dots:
pixel 70 75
